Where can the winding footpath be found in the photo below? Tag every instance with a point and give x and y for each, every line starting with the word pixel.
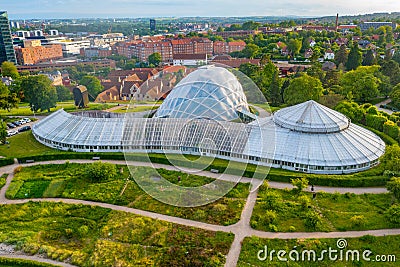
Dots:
pixel 241 229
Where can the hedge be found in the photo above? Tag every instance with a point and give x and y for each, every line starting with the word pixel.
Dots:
pixel 23 263
pixel 6 161
pixel 386 138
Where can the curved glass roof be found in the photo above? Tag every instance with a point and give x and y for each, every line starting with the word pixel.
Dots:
pixel 209 92
pixel 311 117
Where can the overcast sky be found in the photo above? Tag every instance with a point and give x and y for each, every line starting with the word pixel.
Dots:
pixel 178 8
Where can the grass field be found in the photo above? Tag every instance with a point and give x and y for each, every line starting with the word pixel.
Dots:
pixel 69 181
pixel 93 236
pixel 24 109
pixel 285 211
pixel 136 108
pixel 267 107
pixel 23 144
pixel 382 246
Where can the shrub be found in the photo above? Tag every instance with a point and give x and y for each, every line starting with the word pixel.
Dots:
pixel 312 220
pixel 391 159
pixel 394 187
pixel 357 220
pixel 305 202
pixel 17 169
pixel 273 228
pixel 272 200
pixel 219 208
pixel 299 184
pixel 393 214
pixel 269 217
pixel 292 229
pixel 6 161
pixel 100 171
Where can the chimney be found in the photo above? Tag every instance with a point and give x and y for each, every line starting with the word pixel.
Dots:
pixel 337 22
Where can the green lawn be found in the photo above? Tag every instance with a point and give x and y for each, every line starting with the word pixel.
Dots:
pixel 93 236
pixel 23 144
pixel 383 246
pixel 285 211
pixel 267 107
pixel 24 109
pixel 69 181
pixel 136 108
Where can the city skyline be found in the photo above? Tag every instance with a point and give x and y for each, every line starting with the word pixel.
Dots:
pixel 23 9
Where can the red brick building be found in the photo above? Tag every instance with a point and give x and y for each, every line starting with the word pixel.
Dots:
pixel 221 47
pixel 192 46
pixel 36 54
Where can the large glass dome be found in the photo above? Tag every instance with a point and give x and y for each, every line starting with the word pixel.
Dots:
pixel 209 92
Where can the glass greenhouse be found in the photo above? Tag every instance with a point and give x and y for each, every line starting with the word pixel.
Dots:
pixel 307 137
pixel 209 92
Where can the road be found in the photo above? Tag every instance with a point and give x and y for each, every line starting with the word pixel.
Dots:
pixel 385 102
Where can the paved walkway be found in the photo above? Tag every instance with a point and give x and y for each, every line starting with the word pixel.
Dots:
pixel 241 229
pixel 385 102
pixel 262 113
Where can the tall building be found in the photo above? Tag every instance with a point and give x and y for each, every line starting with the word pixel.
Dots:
pixel 153 24
pixel 6 45
pixel 376 24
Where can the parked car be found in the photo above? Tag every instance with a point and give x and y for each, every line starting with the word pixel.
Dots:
pixel 11 133
pixel 22 121
pixel 11 125
pixel 17 123
pixel 24 128
pixel 27 120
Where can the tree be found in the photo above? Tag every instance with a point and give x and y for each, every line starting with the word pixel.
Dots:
pixel 302 89
pixel 369 59
pixel 341 56
pixel 275 90
pixel 8 69
pixel 100 171
pixel 391 69
pixel 63 93
pixel 250 51
pixel 332 78
pixel 352 110
pixel 3 132
pixel 39 92
pixel 316 71
pixel 129 64
pixel 299 184
pixel 391 159
pixel 8 100
pixel 361 83
pixel 294 46
pixel 93 86
pixel 355 58
pixel 155 59
pixel 395 96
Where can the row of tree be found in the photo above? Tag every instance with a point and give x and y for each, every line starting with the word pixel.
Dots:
pixel 39 91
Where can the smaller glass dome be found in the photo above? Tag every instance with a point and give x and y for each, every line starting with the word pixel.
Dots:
pixel 209 92
pixel 311 117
